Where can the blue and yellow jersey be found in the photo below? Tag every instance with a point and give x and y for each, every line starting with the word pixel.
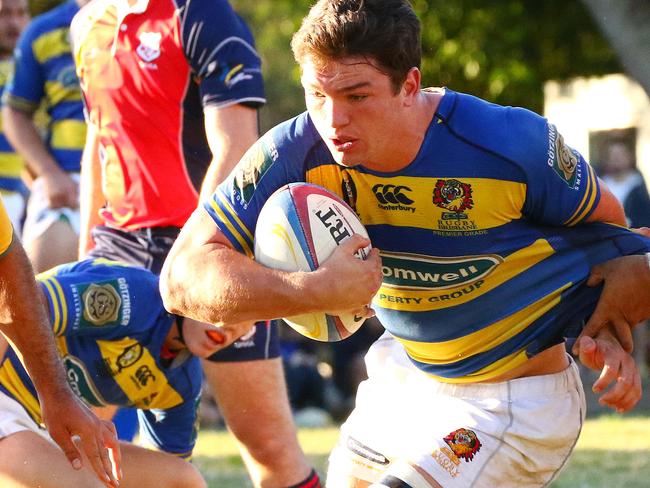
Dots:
pixel 6 230
pixel 45 71
pixel 11 164
pixel 110 325
pixel 483 242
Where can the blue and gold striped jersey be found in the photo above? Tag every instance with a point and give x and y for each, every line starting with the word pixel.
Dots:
pixel 110 325
pixel 484 248
pixel 45 71
pixel 11 164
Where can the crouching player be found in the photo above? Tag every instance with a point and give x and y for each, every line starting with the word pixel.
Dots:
pixel 119 347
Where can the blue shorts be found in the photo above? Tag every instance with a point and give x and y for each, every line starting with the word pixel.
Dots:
pixel 149 248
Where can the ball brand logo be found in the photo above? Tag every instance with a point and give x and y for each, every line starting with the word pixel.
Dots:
pixel 333 221
pixel 392 194
pixel 455 196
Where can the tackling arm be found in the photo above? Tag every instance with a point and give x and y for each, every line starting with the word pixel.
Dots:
pixel 91 195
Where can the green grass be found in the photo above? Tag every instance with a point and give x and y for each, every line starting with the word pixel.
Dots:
pixel 612 452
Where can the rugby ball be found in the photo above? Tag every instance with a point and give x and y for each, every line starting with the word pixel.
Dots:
pixel 298 228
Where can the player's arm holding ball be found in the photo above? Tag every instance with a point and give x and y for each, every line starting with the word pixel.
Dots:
pixel 240 289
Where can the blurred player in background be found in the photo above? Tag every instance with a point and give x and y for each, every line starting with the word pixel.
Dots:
pixel 172 91
pixel 64 415
pixel 45 74
pixel 482 269
pixel 119 347
pixel 14 16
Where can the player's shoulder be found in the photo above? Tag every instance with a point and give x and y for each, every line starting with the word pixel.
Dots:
pixel 56 18
pixel 85 18
pixel 514 133
pixel 295 139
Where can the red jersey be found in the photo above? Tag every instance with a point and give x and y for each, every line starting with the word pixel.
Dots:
pixel 146 72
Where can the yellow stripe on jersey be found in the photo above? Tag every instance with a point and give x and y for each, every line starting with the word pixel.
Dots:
pixel 12 382
pixel 482 340
pixel 137 374
pixel 491 371
pixel 11 164
pixel 232 212
pixel 6 229
pixel 62 346
pixel 591 193
pixel 68 134
pixel 224 219
pixel 56 309
pixel 494 202
pixel 20 104
pixel 418 300
pixel 51 44
pixel 56 92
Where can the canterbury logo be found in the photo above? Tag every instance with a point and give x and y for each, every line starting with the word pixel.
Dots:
pixel 392 194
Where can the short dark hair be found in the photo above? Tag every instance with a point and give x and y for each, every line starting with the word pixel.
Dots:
pixel 388 31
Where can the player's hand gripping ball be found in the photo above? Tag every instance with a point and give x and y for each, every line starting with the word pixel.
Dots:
pixel 298 228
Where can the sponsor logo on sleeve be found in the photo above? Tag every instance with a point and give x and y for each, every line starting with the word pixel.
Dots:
pixel 101 304
pixel 253 166
pixel 563 159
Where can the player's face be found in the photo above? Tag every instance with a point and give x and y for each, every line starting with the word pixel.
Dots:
pixel 355 110
pixel 13 19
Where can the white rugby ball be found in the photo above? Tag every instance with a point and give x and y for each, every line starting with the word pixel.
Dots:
pixel 298 228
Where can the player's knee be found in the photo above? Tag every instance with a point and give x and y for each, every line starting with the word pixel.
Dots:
pixel 188 476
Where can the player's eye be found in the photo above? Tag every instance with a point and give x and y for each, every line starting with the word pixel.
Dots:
pixel 357 97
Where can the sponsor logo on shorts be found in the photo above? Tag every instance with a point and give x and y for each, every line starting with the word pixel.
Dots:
pixel 365 452
pixel 404 271
pixel 101 304
pixel 464 443
pixel 563 159
pixel 394 197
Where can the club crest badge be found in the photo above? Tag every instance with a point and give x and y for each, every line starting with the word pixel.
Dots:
pixel 101 304
pixel 563 159
pixel 455 196
pixel 149 47
pixel 464 443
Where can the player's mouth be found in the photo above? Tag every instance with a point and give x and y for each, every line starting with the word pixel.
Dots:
pixel 343 144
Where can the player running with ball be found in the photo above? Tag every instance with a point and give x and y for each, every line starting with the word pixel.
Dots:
pixel 480 274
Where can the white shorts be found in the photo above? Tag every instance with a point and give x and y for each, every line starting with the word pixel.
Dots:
pixel 14 418
pixel 14 203
pixel 41 217
pixel 407 426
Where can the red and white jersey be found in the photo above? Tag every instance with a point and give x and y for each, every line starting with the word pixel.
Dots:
pixel 147 70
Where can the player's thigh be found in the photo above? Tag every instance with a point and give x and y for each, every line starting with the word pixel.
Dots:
pixel 145 468
pixel 57 244
pixel 28 460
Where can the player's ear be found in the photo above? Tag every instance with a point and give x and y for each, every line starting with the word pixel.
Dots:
pixel 411 86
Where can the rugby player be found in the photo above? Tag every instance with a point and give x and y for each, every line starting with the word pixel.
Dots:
pixel 484 224
pixel 44 75
pixel 119 347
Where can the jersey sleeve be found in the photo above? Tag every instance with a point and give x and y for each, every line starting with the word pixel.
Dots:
pixel 275 160
pixel 26 86
pixel 221 52
pixel 100 300
pixel 173 430
pixel 561 187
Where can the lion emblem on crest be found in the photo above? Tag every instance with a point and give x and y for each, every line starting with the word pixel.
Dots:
pixel 453 195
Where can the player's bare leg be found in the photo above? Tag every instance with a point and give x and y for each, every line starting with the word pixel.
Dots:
pixel 56 245
pixel 253 399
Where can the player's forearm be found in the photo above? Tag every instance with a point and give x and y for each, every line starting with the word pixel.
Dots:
pixel 26 140
pixel 24 322
pixel 609 209
pixel 224 287
pixel 91 197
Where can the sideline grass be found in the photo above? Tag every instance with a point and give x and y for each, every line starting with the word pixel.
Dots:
pixel 613 451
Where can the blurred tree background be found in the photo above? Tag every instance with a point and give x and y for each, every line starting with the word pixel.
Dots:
pixel 503 51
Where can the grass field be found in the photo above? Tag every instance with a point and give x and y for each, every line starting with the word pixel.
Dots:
pixel 613 452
